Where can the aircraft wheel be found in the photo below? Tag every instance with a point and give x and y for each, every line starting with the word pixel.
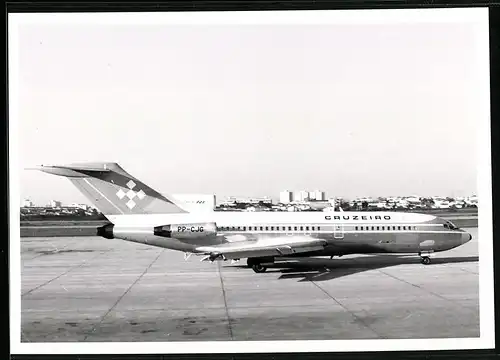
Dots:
pixel 259 268
pixel 426 260
pixel 259 260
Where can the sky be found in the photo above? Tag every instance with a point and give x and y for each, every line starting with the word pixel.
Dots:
pixel 251 110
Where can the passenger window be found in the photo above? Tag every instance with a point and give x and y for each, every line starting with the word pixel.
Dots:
pixel 295 228
pixel 267 228
pixel 373 228
pixel 244 228
pixel 377 228
pixel 319 228
pixel 393 228
pixel 399 227
pixel 312 228
pixel 301 228
pixel 307 228
pixel 261 228
pixel 355 228
pixel 272 228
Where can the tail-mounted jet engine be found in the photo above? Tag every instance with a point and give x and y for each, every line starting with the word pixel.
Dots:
pixel 186 231
pixel 106 231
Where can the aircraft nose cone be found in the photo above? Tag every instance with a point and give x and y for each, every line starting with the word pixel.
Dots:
pixel 466 237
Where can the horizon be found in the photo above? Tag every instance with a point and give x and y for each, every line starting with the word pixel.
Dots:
pixel 275 199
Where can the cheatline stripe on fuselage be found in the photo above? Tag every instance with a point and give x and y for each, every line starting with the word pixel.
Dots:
pixel 318 232
pixel 323 225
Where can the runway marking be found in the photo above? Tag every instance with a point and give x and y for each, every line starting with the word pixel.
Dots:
pixel 62 274
pixel 468 271
pixel 229 325
pixel 346 309
pixel 408 316
pixel 54 246
pixel 122 296
pixel 427 291
pixel 23 334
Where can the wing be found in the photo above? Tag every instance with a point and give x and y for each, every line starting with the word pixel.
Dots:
pixel 281 246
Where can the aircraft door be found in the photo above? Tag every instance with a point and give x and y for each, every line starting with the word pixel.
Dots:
pixel 338 231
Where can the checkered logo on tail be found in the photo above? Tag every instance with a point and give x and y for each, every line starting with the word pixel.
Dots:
pixel 130 195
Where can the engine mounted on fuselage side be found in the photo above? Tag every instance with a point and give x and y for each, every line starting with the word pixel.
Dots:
pixel 187 231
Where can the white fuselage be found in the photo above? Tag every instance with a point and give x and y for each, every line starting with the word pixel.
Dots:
pixel 345 232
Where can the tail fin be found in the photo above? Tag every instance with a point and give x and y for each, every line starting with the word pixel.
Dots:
pixel 112 190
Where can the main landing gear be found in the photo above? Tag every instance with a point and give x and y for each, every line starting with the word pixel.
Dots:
pixel 425 257
pixel 257 263
pixel 259 268
pixel 425 260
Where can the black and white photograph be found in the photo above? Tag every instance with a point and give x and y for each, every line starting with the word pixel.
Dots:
pixel 250 181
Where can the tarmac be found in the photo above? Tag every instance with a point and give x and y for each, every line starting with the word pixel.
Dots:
pixel 93 289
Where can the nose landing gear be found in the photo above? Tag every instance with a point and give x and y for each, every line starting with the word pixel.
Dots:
pixel 425 257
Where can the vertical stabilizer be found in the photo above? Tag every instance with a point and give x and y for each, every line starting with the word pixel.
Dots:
pixel 113 191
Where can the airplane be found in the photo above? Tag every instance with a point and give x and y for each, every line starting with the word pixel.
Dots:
pixel 140 214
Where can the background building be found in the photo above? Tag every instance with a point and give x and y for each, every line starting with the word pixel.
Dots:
pixel 84 207
pixel 55 203
pixel 301 195
pixel 317 195
pixel 27 203
pixel 197 202
pixel 286 197
pixel 258 200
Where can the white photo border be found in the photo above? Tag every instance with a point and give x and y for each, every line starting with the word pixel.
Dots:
pixel 476 16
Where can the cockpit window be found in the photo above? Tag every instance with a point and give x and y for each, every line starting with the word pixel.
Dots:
pixel 450 225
